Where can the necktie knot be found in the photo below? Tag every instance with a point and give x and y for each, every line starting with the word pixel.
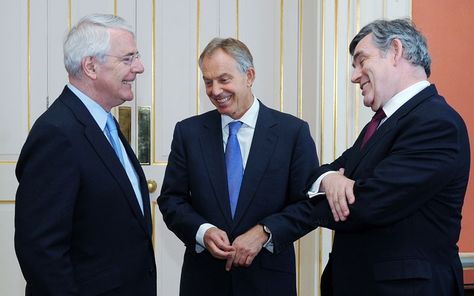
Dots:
pixel 234 127
pixel 379 115
pixel 111 123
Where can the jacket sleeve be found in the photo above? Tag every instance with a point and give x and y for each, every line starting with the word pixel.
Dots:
pixel 174 200
pixel 48 186
pixel 294 221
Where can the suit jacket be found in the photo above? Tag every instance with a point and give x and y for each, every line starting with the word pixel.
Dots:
pixel 79 228
pixel 410 180
pixel 281 158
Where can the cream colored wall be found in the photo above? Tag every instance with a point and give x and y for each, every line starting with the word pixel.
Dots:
pixel 302 66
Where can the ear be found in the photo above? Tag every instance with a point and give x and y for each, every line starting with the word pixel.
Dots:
pixel 88 65
pixel 250 76
pixel 397 50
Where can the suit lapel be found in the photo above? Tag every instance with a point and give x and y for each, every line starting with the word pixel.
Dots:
pixel 212 150
pixel 385 128
pixel 143 188
pixel 359 154
pixel 263 144
pixel 105 151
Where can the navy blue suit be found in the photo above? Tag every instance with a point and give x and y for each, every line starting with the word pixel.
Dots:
pixel 410 180
pixel 79 228
pixel 194 192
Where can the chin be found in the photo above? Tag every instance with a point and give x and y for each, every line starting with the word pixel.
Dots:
pixel 368 102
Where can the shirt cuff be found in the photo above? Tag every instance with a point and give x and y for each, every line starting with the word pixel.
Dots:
pixel 269 244
pixel 200 246
pixel 314 190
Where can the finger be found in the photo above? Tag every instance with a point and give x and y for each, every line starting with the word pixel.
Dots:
pixel 334 214
pixel 337 208
pixel 217 252
pixel 341 171
pixel 242 260
pixel 249 260
pixel 230 260
pixel 224 239
pixel 350 195
pixel 343 204
pixel 224 246
pixel 238 258
pixel 332 206
pixel 344 208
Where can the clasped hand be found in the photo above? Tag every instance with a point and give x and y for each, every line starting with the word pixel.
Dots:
pixel 243 249
pixel 340 193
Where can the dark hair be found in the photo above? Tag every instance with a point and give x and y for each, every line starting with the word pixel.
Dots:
pixel 415 49
pixel 233 47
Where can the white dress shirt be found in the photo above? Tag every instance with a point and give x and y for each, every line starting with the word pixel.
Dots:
pixel 245 136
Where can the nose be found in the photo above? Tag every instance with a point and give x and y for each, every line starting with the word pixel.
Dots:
pixel 216 89
pixel 137 66
pixel 355 78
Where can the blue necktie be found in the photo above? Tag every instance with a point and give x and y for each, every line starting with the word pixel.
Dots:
pixel 112 134
pixel 235 167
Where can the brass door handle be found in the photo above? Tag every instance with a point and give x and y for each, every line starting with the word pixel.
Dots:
pixel 152 186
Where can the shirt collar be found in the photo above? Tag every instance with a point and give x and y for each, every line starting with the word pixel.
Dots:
pixel 249 118
pixel 402 97
pixel 97 112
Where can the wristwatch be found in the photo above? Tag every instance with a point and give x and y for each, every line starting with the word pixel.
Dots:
pixel 266 229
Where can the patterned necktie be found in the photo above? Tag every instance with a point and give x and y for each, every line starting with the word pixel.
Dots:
pixel 112 134
pixel 373 124
pixel 235 168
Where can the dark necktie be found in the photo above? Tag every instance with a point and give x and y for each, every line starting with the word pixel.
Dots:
pixel 235 168
pixel 373 124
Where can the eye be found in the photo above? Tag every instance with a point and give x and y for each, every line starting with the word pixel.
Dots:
pixel 207 82
pixel 129 59
pixel 224 80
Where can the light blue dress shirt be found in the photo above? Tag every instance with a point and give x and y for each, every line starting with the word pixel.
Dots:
pixel 100 116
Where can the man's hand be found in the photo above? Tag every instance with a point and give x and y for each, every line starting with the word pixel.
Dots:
pixel 339 192
pixel 247 246
pixel 217 243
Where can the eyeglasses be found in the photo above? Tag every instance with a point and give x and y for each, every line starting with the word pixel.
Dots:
pixel 128 59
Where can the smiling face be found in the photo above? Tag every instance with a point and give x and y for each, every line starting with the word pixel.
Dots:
pixel 114 77
pixel 226 86
pixel 374 71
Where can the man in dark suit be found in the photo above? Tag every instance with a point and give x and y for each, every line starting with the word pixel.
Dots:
pixel 233 235
pixel 82 214
pixel 396 197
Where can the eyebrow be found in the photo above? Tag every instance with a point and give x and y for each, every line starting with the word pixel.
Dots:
pixel 131 53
